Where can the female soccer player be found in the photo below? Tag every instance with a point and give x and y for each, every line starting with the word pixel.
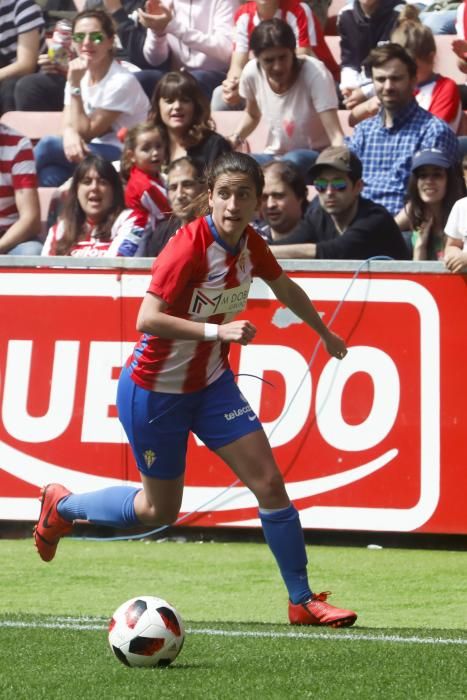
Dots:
pixel 178 379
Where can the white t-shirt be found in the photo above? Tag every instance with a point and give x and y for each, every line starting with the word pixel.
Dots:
pixel 118 91
pixel 292 117
pixel 456 225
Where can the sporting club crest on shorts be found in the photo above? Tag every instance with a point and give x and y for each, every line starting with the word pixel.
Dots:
pixel 149 458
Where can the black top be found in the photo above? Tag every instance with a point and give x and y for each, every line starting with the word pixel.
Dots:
pixel 372 232
pixel 159 237
pixel 359 33
pixel 209 149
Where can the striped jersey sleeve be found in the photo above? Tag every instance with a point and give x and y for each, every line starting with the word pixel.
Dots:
pixel 17 171
pixel 18 17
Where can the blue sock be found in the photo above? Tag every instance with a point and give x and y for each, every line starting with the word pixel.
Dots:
pixel 113 506
pixel 284 535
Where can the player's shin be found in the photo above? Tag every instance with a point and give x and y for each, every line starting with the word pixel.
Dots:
pixel 284 535
pixel 113 506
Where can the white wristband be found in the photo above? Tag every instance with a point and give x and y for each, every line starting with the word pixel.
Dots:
pixel 211 331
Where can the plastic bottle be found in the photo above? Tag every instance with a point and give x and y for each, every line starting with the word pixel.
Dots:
pixel 60 44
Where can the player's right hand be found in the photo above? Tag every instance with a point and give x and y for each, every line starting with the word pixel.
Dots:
pixel 241 332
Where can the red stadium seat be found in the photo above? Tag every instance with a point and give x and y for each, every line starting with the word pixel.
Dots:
pixel 343 115
pixel 34 125
pixel 446 60
pixel 227 122
pixel 334 43
pixel 46 194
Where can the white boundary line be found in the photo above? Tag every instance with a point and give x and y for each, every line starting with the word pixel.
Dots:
pixel 94 624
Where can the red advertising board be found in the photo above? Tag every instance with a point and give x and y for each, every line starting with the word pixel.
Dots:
pixel 374 442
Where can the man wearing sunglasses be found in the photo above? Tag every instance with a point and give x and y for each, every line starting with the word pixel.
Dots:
pixel 340 223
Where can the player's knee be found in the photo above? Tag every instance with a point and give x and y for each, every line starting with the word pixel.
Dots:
pixel 271 487
pixel 154 516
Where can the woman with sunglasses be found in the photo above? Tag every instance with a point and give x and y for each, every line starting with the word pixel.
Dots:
pixel 433 188
pixel 101 97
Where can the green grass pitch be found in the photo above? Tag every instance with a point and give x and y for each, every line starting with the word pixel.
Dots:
pixel 410 640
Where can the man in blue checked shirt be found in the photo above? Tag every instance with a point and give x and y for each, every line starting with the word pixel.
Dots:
pixel 386 143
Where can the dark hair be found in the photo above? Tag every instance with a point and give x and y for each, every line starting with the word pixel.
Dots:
pixel 131 140
pixel 291 176
pixel 271 34
pixel 74 217
pixel 416 208
pixel 105 19
pixel 387 52
pixel 236 162
pixel 192 163
pixel 182 85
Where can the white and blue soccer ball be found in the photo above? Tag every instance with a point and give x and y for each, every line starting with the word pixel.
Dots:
pixel 146 631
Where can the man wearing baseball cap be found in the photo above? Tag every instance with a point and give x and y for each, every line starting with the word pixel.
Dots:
pixel 340 223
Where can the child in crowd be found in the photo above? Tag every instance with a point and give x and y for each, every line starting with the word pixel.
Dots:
pixel 94 222
pixel 144 152
pixel 434 186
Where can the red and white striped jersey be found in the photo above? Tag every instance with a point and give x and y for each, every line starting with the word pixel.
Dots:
pixel 440 96
pixel 299 16
pixel 17 171
pixel 126 239
pixel 203 280
pixel 146 196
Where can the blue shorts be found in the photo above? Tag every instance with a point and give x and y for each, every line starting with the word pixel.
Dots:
pixel 158 424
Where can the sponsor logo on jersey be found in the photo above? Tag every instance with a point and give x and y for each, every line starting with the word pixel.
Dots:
pixel 207 302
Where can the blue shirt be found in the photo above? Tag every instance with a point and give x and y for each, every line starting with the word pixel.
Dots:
pixel 386 153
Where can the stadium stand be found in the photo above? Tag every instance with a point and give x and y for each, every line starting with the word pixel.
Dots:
pixel 343 115
pixel 334 43
pixel 34 125
pixel 446 60
pixel 226 123
pixel 46 195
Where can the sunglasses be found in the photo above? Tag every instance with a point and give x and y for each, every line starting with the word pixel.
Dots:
pixel 95 37
pixel 337 185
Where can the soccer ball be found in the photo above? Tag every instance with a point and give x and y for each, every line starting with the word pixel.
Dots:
pixel 146 631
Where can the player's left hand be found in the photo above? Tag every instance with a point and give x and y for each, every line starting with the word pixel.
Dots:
pixel 241 332
pixel 335 345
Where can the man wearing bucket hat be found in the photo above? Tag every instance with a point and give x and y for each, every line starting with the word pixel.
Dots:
pixel 340 223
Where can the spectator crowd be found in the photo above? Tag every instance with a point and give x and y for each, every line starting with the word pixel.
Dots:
pixel 152 92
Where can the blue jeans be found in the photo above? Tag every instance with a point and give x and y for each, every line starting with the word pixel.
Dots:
pixel 302 158
pixel 440 21
pixel 53 168
pixel 27 248
pixel 218 104
pixel 207 79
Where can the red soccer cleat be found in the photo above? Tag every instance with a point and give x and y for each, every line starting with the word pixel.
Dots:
pixel 317 612
pixel 51 526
